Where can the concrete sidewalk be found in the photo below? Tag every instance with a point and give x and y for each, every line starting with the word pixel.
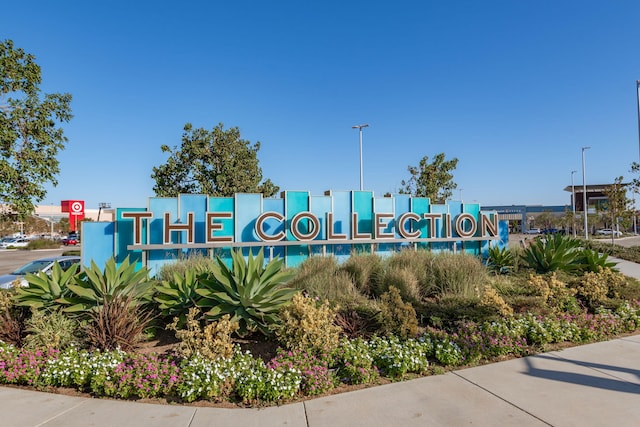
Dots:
pixel 591 385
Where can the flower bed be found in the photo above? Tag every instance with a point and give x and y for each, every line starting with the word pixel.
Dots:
pixel 290 375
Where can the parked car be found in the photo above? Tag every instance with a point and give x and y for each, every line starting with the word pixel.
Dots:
pixel 532 231
pixel 608 232
pixel 70 240
pixel 42 264
pixel 14 243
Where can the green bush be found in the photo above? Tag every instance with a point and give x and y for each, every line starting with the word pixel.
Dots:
pixel 307 325
pixel 419 262
pixel 195 262
pixel 363 270
pixel 396 316
pixel 458 275
pixel 250 292
pixel 116 322
pixel 447 311
pixel 51 330
pixel 43 244
pixel 403 280
pixel 212 342
pixel 321 277
pixel 12 319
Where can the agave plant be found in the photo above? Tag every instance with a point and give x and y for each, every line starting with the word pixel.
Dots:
pixel 177 296
pixel 250 292
pixel 94 286
pixel 500 260
pixel 552 252
pixel 590 260
pixel 45 291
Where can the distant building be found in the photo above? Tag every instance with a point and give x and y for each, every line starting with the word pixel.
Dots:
pixel 522 217
pixel 597 199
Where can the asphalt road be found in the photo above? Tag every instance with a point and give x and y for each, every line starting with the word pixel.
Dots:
pixel 11 259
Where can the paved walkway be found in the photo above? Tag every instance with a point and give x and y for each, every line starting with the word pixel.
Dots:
pixel 591 385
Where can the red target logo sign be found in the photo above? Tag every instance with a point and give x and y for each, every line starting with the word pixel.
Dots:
pixel 75 208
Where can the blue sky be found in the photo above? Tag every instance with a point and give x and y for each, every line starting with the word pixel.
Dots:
pixel 513 89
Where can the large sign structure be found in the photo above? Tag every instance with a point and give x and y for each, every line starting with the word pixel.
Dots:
pixel 75 208
pixel 295 226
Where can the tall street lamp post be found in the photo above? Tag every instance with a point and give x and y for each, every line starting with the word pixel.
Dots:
pixel 359 127
pixel 573 205
pixel 584 197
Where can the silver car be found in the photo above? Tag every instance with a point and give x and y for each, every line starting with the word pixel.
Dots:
pixel 8 281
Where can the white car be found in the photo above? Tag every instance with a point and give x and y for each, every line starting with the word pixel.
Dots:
pixel 14 243
pixel 608 232
pixel 44 264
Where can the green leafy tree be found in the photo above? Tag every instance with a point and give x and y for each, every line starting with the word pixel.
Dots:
pixel 30 132
pixel 618 204
pixel 433 180
pixel 216 162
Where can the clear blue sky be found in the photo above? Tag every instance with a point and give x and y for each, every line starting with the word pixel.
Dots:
pixel 513 89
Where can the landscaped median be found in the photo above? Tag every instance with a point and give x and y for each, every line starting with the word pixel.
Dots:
pixel 329 326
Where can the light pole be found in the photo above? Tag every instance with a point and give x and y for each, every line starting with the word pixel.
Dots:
pixel 359 127
pixel 573 205
pixel 461 194
pixel 584 197
pixel 638 105
pixel 102 205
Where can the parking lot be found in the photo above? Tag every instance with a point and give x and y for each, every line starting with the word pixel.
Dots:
pixel 11 259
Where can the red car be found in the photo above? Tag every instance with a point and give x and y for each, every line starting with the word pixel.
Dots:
pixel 71 240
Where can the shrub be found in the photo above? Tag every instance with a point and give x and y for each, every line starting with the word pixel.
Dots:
pixel 316 376
pixel 595 287
pixel 212 342
pixel 139 376
pixel 194 262
pixel 491 298
pixel 395 358
pixel 447 311
pixel 555 292
pixel 12 319
pixel 116 322
pixel 360 321
pixel 396 316
pixel 202 378
pixel 419 262
pixel 458 275
pixel 51 330
pixel 355 363
pixel 43 244
pixel 363 270
pixel 306 325
pixel 404 280
pixel 250 292
pixel 321 277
